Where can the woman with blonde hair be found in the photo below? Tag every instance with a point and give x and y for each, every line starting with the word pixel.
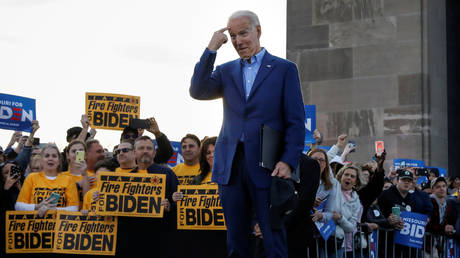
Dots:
pixel 48 189
pixel 345 209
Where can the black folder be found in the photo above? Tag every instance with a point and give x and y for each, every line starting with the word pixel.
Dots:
pixel 271 147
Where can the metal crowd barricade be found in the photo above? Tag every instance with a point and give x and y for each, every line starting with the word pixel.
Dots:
pixel 434 246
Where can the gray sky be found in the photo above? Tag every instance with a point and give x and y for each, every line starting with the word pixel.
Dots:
pixel 55 51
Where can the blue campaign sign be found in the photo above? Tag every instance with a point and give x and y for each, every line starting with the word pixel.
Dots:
pixel 403 163
pixel 442 171
pixel 414 230
pixel 16 112
pixel 310 123
pixel 326 229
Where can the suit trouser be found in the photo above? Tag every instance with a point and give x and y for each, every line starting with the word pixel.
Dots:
pixel 240 200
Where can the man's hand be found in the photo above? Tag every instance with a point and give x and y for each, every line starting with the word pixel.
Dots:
pixel 341 140
pixel 282 170
pixel 177 196
pixel 154 127
pixel 218 39
pixel 372 226
pixel 395 222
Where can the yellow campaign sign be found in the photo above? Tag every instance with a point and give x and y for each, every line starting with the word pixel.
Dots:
pixel 26 232
pixel 200 208
pixel 131 194
pixel 85 234
pixel 185 179
pixel 111 111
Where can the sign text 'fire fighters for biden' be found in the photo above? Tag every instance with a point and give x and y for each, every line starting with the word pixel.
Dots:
pixel 85 234
pixel 111 111
pixel 200 208
pixel 131 194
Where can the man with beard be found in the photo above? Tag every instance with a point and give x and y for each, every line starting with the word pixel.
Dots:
pixel 148 236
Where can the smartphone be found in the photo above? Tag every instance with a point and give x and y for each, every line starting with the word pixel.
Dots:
pixel 55 198
pixel 396 211
pixel 352 144
pixel 36 141
pixel 15 171
pixel 80 156
pixel 139 123
pixel 379 146
pixel 422 172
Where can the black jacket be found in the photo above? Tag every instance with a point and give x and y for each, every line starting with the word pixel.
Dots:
pixel 372 190
pixel 299 225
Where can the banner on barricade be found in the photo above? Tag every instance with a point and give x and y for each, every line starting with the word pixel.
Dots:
pixel 16 112
pixel 111 111
pixel 373 243
pixel 26 232
pixel 85 234
pixel 130 194
pixel 200 208
pixel 414 230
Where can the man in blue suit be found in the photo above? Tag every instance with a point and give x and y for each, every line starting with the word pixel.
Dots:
pixel 256 89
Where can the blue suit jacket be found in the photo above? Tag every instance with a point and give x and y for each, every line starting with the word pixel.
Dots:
pixel 275 100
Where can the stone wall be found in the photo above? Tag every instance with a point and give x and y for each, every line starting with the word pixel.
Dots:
pixel 364 64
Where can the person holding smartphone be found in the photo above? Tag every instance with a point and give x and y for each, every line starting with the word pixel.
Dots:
pixel 36 192
pixel 75 154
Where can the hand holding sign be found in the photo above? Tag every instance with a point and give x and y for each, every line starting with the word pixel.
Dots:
pixel 177 196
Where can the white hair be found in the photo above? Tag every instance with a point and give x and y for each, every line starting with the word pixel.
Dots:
pixel 248 14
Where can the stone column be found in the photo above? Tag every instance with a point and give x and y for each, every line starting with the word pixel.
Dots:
pixel 365 64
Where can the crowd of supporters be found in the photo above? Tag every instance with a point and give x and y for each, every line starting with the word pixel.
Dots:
pixel 357 197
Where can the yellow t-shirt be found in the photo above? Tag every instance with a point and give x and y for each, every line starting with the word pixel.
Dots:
pixel 88 203
pixel 207 179
pixel 186 173
pixel 142 171
pixel 37 187
pixel 76 179
pixel 123 170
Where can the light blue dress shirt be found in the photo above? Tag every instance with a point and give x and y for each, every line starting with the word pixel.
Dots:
pixel 250 71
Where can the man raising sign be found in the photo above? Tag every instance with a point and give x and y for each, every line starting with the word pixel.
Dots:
pixel 256 89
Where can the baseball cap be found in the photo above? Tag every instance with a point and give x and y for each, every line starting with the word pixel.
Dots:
pixel 405 174
pixel 437 180
pixel 337 159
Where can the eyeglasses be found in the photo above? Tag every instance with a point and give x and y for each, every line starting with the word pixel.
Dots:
pixel 124 150
pixel 130 136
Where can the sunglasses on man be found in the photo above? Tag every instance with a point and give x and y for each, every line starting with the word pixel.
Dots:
pixel 124 150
